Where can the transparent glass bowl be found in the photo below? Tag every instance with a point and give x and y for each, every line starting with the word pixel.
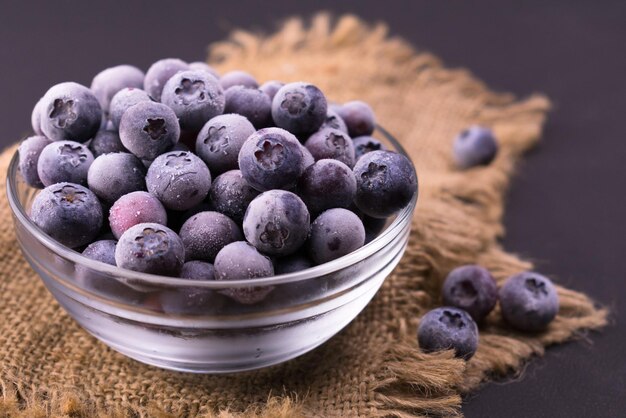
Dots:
pixel 191 326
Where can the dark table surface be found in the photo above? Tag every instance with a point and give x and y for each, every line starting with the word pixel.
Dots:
pixel 567 204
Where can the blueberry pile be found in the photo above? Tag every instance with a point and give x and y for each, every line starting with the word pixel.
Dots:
pixel 528 303
pixel 180 172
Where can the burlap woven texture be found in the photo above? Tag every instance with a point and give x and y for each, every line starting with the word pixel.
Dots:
pixel 50 367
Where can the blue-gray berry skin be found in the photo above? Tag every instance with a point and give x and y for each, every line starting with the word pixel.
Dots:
pixel 195 96
pixel 177 219
pixel 365 144
pixel 448 328
pixel 471 288
pixel 114 175
pixel 277 222
pixel 335 233
pixel 331 143
pixel 64 161
pixel 221 139
pixel 203 66
pixel 135 208
pixel 231 194
pixel 240 261
pixel 150 248
pixel 238 78
pixel 69 213
pixel 255 105
pixel 103 250
pixel 148 129
pixel 106 142
pixel 475 146
pixel 206 233
pixel 327 184
pixel 29 152
pixel 124 99
pixel 70 111
pixel 528 301
pixel 292 263
pixel 385 181
pixel 159 73
pixel 307 158
pixel 108 82
pixel 373 226
pixel 179 179
pixel 358 117
pixel 271 88
pixel 299 108
pixel 270 159
pixel 191 300
pixel 333 120
pixel 197 270
pixel 35 117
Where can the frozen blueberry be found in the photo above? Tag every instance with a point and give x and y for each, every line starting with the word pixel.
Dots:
pixel 277 222
pixel 197 270
pixel 206 233
pixel 149 129
pixel 373 226
pixel 471 288
pixel 240 261
pixel 198 65
pixel 292 263
pixel 448 328
pixel 299 108
pixel 221 139
pixel 475 146
pixel 271 158
pixel 69 213
pixel 358 117
pixel 29 152
pixel 190 300
pixel 385 183
pixel 333 120
pixel 35 118
pixel 135 208
pixel 195 97
pixel 103 250
pixel 64 161
pixel 111 176
pixel 179 179
pixel 255 105
pixel 238 78
pixel 106 142
pixel 271 88
pixel 150 248
pixel 108 82
pixel 365 144
pixel 335 233
pixel 124 99
pixel 307 158
pixel 177 219
pixel 231 194
pixel 331 143
pixel 70 111
pixel 528 301
pixel 158 74
pixel 327 184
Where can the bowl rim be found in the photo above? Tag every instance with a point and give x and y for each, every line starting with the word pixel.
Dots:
pixel 386 237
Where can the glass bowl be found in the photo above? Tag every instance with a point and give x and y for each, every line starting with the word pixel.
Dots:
pixel 193 326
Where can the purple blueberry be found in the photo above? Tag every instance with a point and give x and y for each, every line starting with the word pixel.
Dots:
pixel 35 117
pixel 307 158
pixel 177 219
pixel 69 213
pixel 255 105
pixel 135 208
pixel 528 301
pixel 190 300
pixel 29 151
pixel 197 270
pixel 111 176
pixel 240 261
pixel 358 117
pixel 195 97
pixel 124 99
pixel 327 184
pixel 70 111
pixel 365 144
pixel 103 251
pixel 385 183
pixel 203 66
pixel 475 146
pixel 292 263
pixel 334 121
pixel 108 82
pixel 106 142
pixel 448 328
pixel 373 226
pixel 271 158
pixel 299 108
pixel 231 194
pixel 150 248
pixel 158 74
pixel 335 233
pixel 238 78
pixel 221 139
pixel 149 129
pixel 206 233
pixel 271 88
pixel 64 161
pixel 179 179
pixel 331 143
pixel 277 222
pixel 471 288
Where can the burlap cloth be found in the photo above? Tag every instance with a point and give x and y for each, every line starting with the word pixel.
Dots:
pixel 50 367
